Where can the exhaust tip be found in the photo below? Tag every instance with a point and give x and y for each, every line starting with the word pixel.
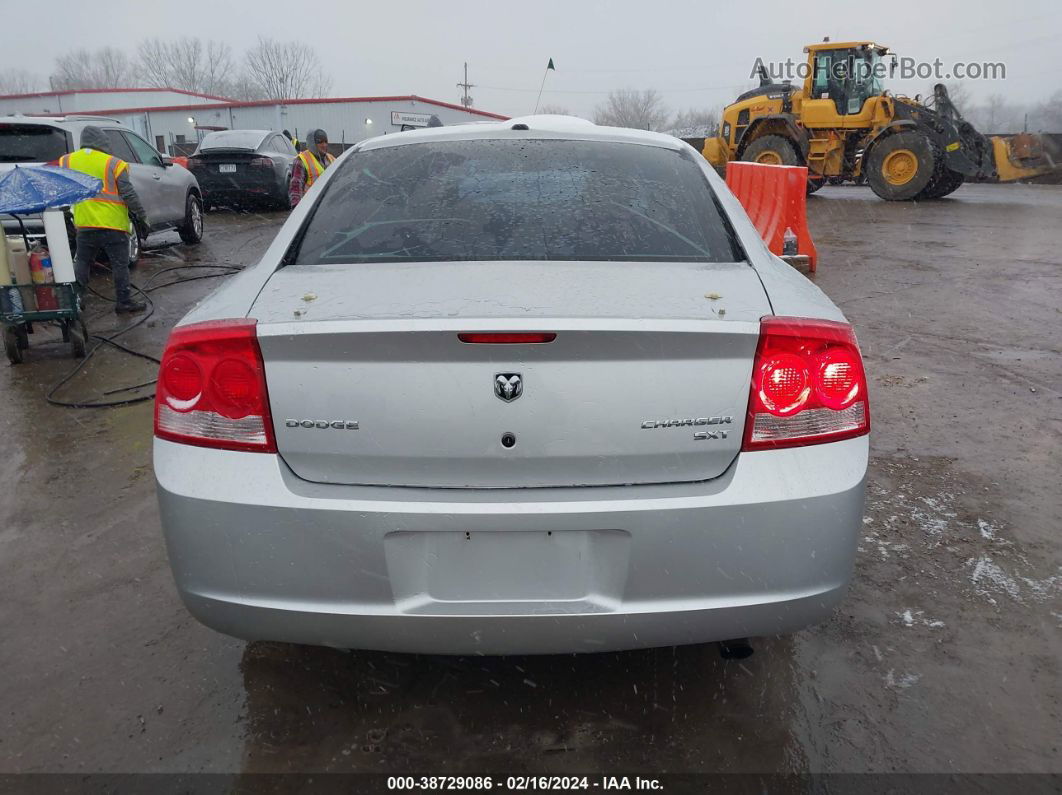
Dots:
pixel 737 649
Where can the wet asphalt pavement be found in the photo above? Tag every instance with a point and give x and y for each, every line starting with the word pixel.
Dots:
pixel 945 656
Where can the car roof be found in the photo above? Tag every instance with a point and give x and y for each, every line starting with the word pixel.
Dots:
pixel 73 121
pixel 240 130
pixel 261 136
pixel 538 126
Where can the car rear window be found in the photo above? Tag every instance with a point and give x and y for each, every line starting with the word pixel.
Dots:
pixel 517 200
pixel 232 139
pixel 31 143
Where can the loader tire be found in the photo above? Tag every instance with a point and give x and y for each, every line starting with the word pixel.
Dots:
pixel 948 182
pixel 902 165
pixel 776 150
pixel 955 182
pixel 772 150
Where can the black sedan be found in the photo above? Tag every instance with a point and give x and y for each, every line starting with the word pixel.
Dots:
pixel 239 168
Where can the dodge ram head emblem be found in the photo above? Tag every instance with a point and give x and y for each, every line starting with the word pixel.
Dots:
pixel 508 386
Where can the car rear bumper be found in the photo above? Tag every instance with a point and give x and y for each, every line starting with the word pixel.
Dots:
pixel 250 186
pixel 260 554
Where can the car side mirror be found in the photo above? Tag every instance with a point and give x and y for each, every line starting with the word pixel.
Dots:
pixel 167 161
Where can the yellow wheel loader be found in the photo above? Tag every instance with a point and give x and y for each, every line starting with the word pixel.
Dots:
pixel 843 125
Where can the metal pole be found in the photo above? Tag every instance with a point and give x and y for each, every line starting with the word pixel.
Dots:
pixel 466 100
pixel 543 84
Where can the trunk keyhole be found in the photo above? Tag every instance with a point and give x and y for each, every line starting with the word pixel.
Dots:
pixel 508 439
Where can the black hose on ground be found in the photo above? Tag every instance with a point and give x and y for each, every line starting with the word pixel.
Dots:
pixel 110 340
pixel 230 269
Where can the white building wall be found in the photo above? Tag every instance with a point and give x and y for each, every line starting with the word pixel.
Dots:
pixel 82 102
pixel 349 121
pixel 345 121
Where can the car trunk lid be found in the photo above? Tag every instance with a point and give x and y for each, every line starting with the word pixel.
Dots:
pixel 646 380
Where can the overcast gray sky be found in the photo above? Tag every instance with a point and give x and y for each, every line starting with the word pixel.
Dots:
pixel 698 54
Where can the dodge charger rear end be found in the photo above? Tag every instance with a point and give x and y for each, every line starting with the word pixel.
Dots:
pixel 526 387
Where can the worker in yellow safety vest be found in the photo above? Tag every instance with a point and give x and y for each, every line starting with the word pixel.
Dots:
pixel 309 165
pixel 103 222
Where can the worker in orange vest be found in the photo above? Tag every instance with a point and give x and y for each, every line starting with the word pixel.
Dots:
pixel 309 165
pixel 103 222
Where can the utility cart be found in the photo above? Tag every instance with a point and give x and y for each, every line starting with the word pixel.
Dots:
pixel 29 295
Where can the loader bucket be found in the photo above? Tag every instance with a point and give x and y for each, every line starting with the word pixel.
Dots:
pixel 715 152
pixel 1026 156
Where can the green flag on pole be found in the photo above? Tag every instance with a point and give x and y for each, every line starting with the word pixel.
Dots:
pixel 551 66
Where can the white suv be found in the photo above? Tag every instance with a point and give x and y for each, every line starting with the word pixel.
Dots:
pixel 170 193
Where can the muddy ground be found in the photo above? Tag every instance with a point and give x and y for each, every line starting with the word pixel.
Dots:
pixel 945 657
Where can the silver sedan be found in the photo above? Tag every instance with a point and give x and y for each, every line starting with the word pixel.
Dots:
pixel 527 387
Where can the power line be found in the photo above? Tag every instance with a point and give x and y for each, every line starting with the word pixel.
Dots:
pixel 728 86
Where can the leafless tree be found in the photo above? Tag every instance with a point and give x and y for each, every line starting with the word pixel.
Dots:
pixel 286 70
pixel 106 67
pixel 19 81
pixel 188 63
pixel 696 120
pixel 628 107
pixel 243 87
pixel 113 69
pixel 153 64
pixel 554 110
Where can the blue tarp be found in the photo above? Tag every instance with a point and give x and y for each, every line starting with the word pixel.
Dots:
pixel 33 189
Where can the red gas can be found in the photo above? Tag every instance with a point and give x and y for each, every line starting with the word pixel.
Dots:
pixel 41 272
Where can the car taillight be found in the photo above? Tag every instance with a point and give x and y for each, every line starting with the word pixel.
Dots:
pixel 262 161
pixel 194 162
pixel 212 390
pixel 808 385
